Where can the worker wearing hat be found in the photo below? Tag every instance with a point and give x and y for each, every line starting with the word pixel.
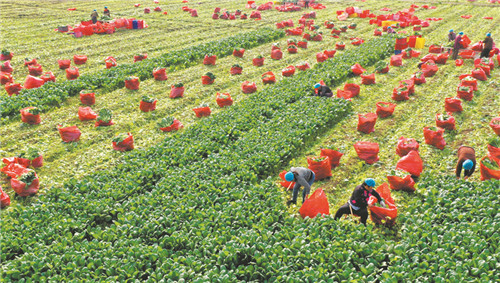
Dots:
pixel 457 45
pixel 302 177
pixel 451 35
pixel 358 202
pixel 466 160
pixel 487 46
pixel 94 16
pixel 107 13
pixel 322 90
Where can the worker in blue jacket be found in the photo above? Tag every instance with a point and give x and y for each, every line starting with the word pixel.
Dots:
pixel 358 202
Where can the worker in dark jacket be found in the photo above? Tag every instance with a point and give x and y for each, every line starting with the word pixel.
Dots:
pixel 322 90
pixel 466 160
pixel 94 16
pixel 358 202
pixel 302 177
pixel 487 46
pixel 451 35
pixel 457 45
pixel 106 12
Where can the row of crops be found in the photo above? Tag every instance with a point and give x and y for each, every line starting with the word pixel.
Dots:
pixel 186 208
pixel 187 176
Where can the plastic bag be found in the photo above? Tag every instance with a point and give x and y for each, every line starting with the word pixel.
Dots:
pixel 87 98
pixel 429 69
pixel 288 71
pixel 79 59
pixel 209 60
pixel 479 74
pixel 176 92
pixel 223 99
pixel 320 166
pixel 453 104
pixel 268 78
pixel 333 155
pixel 442 58
pixel 147 106
pixel 321 57
pixel 160 74
pixel 33 82
pixel 13 88
pixel 206 80
pixel 86 114
pixel 248 87
pixel 448 124
pixel 276 54
pixel 418 78
pixel 6 78
pixel 14 170
pixel 238 52
pixel 405 145
pixel 72 73
pixel 176 125
pixel 367 151
pixel 366 122
pixel 69 134
pixel 411 163
pixel 397 183
pixel 434 136
pixel 257 62
pixel 368 79
pixel 35 70
pixel 495 125
pixel 489 173
pixel 21 189
pixel 493 152
pixel 357 69
pixel 4 199
pixel 314 205
pixel 380 215
pixel 28 118
pixel 385 109
pixel 126 145
pixel 396 60
pixel 132 83
pixel 202 111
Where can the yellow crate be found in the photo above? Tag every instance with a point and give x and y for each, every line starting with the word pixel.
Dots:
pixel 419 42
pixel 388 23
pixel 354 15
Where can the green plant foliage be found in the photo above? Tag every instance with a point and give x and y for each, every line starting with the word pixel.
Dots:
pixel 53 94
pixel 189 202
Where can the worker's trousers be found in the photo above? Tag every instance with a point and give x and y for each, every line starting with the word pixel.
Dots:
pixel 305 192
pixel 362 212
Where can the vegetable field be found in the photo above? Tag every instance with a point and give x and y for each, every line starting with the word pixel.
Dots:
pixel 139 197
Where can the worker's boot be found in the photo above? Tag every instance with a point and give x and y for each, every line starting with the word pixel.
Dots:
pixel 288 203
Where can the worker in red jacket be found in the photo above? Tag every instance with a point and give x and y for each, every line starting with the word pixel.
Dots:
pixel 466 160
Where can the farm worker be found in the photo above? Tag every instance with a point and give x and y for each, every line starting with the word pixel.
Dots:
pixel 106 12
pixel 358 202
pixel 451 35
pixel 466 160
pixel 306 4
pixel 456 46
pixel 302 177
pixel 487 46
pixel 323 90
pixel 390 30
pixel 94 16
